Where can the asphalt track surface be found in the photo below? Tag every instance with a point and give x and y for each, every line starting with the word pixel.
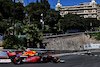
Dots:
pixel 74 60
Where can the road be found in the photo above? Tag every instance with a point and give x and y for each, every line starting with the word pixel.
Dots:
pixel 74 60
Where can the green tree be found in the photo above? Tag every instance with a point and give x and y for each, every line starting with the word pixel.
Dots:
pixel 51 18
pixel 39 24
pixel 6 8
pixel 41 1
pixel 12 42
pixel 59 24
pixel 3 26
pixel 19 11
pixel 34 10
pixel 47 28
pixel 1 16
pixel 18 28
pixel 97 36
pixel 37 1
pixel 90 23
pixel 32 34
pixel 71 21
pixel 98 5
pixel 46 4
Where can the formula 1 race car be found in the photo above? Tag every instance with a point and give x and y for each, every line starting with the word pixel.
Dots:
pixel 89 53
pixel 31 56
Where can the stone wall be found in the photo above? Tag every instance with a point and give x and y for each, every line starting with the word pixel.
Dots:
pixel 70 43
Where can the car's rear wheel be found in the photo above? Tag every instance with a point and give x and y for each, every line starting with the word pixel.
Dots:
pixel 17 60
pixel 45 60
pixel 56 60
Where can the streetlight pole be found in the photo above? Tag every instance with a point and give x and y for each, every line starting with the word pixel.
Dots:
pixel 59 22
pixel 14 16
pixel 42 23
pixel 91 26
pixel 59 26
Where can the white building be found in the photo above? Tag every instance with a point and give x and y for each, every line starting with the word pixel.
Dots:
pixel 86 10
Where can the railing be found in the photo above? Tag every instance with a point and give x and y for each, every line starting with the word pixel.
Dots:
pixel 69 34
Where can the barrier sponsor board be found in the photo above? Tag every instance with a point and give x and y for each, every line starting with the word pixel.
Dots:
pixel 5 60
pixel 91 46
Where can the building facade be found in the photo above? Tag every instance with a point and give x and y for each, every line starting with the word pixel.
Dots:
pixel 86 10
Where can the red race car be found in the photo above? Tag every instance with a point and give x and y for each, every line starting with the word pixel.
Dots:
pixel 31 56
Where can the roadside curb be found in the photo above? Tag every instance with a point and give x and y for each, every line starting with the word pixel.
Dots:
pixel 63 54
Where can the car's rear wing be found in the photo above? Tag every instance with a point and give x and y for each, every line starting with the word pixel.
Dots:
pixel 40 50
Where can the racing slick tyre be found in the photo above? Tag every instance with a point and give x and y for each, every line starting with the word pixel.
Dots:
pixel 44 60
pixel 40 60
pixel 12 58
pixel 55 61
pixel 17 60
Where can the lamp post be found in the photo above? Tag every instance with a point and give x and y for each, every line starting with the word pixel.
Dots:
pixel 41 20
pixel 59 21
pixel 59 26
pixel 91 26
pixel 14 17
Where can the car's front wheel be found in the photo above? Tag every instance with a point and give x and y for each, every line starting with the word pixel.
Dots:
pixel 17 60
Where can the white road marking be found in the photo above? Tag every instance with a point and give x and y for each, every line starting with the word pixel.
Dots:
pixel 78 54
pixel 74 53
pixel 82 54
pixel 95 55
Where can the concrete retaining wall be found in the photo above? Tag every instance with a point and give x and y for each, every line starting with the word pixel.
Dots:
pixel 70 43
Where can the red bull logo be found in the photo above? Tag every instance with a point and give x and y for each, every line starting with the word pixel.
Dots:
pixel 31 53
